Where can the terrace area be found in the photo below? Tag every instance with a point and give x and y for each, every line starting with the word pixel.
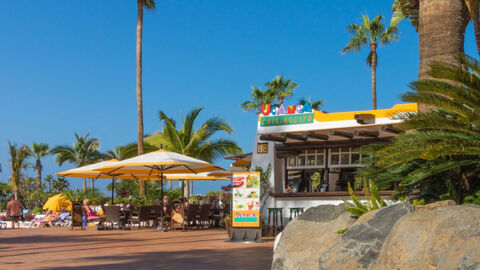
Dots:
pixel 61 248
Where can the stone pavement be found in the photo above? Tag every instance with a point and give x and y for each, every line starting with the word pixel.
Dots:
pixel 61 248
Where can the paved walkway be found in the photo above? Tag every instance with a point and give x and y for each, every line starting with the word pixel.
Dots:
pixel 60 248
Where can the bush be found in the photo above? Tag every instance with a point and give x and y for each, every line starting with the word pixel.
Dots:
pixel 214 193
pixel 374 201
pixel 37 210
pixel 473 199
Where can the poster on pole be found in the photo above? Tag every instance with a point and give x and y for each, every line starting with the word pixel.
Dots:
pixel 246 199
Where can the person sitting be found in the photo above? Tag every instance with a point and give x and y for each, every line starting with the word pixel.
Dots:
pixel 89 212
pixel 50 217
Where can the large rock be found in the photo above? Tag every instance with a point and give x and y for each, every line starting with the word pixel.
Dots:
pixel 443 238
pixel 436 236
pixel 305 239
pixel 360 246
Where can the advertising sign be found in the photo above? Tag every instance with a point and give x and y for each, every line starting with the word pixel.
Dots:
pixel 246 199
pixel 284 120
pixel 262 148
pixel 281 116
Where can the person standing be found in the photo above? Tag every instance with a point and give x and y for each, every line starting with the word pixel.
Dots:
pixel 14 210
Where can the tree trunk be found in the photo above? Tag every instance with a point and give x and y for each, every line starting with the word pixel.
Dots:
pixel 191 188
pixel 170 185
pixel 476 27
pixel 186 188
pixel 92 185
pixel 473 9
pixel 373 47
pixel 84 184
pixel 441 33
pixel 139 85
pixel 38 170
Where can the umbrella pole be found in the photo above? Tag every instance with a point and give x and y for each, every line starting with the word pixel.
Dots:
pixel 113 187
pixel 161 195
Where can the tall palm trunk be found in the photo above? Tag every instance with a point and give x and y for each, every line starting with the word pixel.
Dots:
pixel 473 9
pixel 441 33
pixel 185 188
pixel 38 170
pixel 476 27
pixel 169 185
pixel 139 85
pixel 84 184
pixel 92 184
pixel 373 48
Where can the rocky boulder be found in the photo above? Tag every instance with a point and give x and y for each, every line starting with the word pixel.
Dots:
pixel 442 238
pixel 400 236
pixel 360 246
pixel 305 239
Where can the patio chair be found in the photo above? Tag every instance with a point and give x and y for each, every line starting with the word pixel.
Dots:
pixel 203 217
pixel 113 215
pixel 177 214
pixel 143 216
pixel 191 216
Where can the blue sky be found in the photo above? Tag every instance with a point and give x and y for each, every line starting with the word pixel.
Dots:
pixel 69 66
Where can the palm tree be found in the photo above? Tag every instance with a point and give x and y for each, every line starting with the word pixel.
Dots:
pixel 440 26
pixel 60 184
pixel 49 180
pixel 258 98
pixel 371 33
pixel 18 157
pixel 443 143
pixel 473 7
pixel 141 4
pixel 127 151
pixel 195 143
pixel 281 88
pixel 314 105
pixel 84 152
pixel 39 150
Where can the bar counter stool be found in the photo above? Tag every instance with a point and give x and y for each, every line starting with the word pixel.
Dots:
pixel 277 225
pixel 295 212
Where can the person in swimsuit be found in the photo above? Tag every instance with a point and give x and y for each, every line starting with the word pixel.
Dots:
pixel 89 211
pixel 14 210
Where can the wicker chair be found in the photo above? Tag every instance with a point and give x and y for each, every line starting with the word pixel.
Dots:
pixel 203 217
pixel 113 215
pixel 191 216
pixel 143 216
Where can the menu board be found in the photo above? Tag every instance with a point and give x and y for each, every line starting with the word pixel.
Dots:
pixel 246 199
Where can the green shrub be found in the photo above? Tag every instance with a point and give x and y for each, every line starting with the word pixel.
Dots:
pixel 37 210
pixel 418 202
pixel 342 231
pixel 473 199
pixel 374 201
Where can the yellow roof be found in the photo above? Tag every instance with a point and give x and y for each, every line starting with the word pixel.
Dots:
pixel 383 113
